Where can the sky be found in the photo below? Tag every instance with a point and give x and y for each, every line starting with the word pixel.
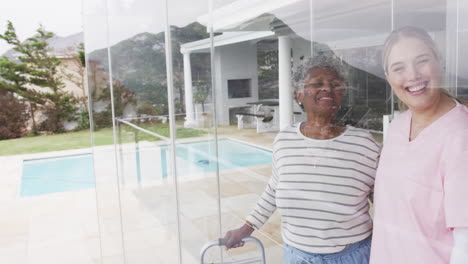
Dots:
pixel 126 17
pixel 27 15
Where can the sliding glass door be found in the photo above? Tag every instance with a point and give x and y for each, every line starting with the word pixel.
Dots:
pixel 195 92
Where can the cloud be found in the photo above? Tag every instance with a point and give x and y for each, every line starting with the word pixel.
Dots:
pixel 61 17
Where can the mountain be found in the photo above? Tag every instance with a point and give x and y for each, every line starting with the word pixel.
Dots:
pixel 139 62
pixel 61 46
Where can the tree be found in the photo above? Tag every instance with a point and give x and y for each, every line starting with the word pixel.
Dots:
pixel 201 93
pixel 122 97
pixel 98 79
pixel 99 84
pixel 75 71
pixel 35 77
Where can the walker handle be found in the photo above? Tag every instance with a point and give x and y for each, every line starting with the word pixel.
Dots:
pixel 224 240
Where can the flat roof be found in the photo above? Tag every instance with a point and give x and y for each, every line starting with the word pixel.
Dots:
pixel 226 38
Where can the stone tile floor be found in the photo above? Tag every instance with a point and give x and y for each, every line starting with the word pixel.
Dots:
pixel 87 226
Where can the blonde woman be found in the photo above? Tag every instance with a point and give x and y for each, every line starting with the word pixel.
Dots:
pixel 421 187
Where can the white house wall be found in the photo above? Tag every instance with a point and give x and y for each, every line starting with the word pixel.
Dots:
pixel 237 61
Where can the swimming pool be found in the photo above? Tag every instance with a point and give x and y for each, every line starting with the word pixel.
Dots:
pixel 59 174
pixel 199 157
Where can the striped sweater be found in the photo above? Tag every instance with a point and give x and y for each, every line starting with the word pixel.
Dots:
pixel 321 189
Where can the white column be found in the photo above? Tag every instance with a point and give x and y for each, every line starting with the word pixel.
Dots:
pixel 189 110
pixel 284 80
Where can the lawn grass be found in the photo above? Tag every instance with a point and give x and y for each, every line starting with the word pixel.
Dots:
pixel 82 139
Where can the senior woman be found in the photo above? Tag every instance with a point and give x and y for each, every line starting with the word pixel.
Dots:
pixel 322 176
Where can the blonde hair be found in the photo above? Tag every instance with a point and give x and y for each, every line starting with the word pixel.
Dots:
pixel 422 35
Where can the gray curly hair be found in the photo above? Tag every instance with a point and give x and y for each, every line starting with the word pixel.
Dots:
pixel 323 60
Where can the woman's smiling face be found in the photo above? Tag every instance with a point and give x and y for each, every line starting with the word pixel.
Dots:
pixel 413 71
pixel 323 92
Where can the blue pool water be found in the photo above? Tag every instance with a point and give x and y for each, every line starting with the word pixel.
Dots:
pixel 51 175
pixel 200 155
pixel 60 174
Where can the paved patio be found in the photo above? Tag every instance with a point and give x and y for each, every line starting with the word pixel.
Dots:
pixel 71 227
pixel 53 228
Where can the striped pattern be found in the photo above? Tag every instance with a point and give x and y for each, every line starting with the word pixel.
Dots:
pixel 321 189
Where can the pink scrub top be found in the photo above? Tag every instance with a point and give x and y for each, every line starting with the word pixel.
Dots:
pixel 421 190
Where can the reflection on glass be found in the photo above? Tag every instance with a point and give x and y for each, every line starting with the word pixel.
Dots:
pixel 241 90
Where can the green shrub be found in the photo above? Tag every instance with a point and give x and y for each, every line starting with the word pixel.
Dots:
pixel 102 119
pixel 13 117
pixel 83 120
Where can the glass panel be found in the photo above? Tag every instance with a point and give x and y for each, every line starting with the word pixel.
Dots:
pixel 439 19
pixel 105 164
pixel 146 179
pixel 225 96
pixel 196 154
pixel 48 210
pixel 356 38
pixel 141 181
pixel 462 45
pixel 266 42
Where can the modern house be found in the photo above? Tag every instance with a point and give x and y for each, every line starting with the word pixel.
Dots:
pixel 354 32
